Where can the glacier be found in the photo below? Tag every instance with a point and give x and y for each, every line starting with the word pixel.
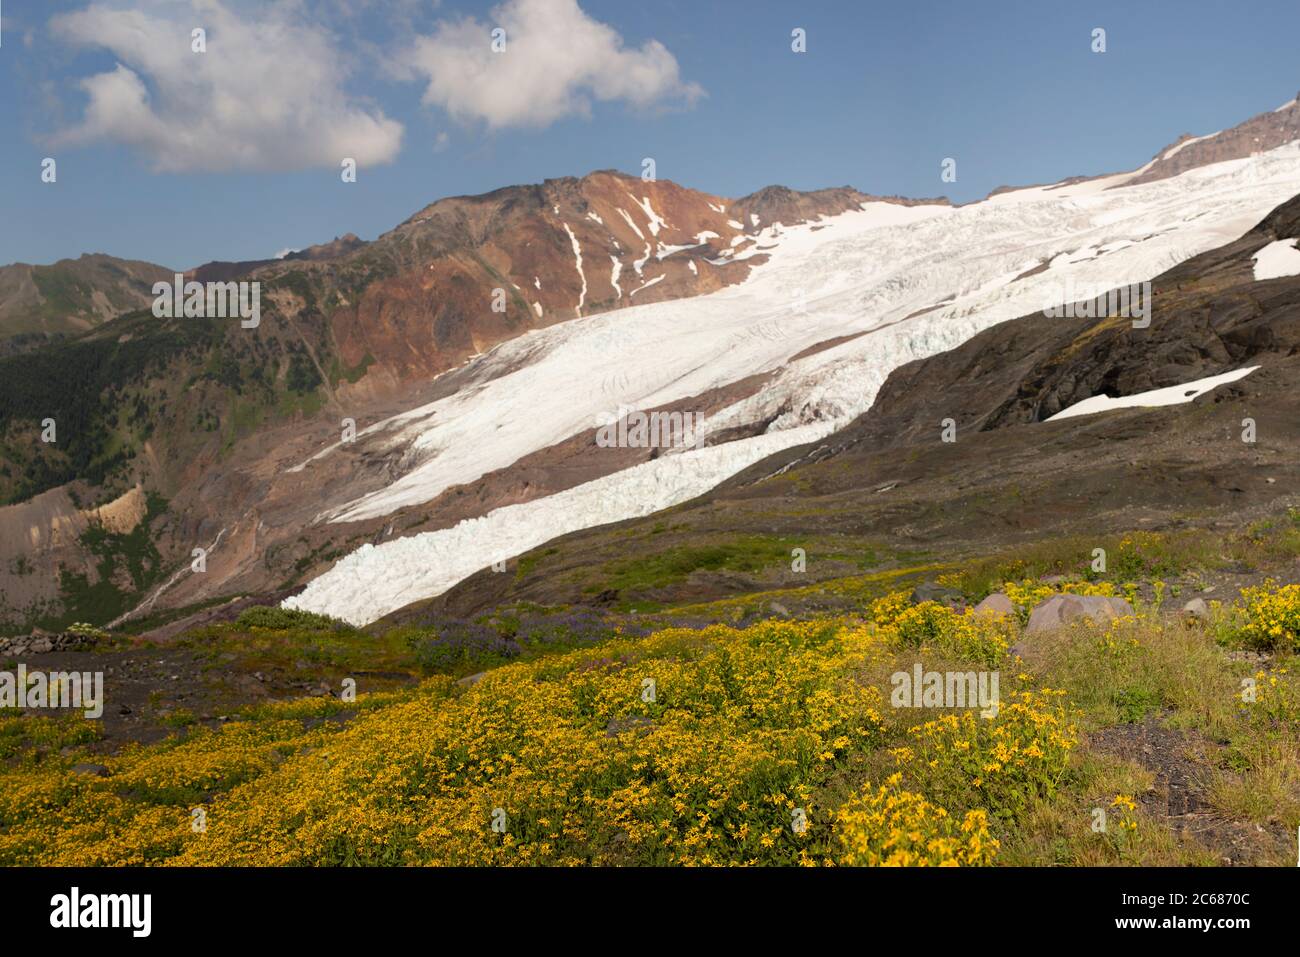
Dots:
pixel 904 282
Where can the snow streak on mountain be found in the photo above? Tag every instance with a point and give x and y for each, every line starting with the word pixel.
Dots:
pixel 889 284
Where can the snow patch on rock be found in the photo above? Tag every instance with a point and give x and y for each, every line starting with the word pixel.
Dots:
pixel 628 219
pixel 1171 395
pixel 614 273
pixel 646 286
pixel 654 220
pixel 1277 260
pixel 577 255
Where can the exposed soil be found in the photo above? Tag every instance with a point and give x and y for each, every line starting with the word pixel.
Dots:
pixel 151 692
pixel 1182 762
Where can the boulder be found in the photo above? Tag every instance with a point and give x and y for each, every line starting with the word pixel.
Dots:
pixel 1059 610
pixel 996 604
pixel 933 591
pixel 96 770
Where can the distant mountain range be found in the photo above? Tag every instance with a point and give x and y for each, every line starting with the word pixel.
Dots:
pixel 72 295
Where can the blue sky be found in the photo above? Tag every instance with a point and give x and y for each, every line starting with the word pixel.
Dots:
pixel 238 157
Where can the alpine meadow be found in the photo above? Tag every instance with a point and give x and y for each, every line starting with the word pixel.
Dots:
pixel 430 448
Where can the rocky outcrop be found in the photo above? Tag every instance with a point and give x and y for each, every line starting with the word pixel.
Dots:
pixel 942 594
pixel 337 247
pixel 1060 610
pixel 41 643
pixel 780 204
pixel 224 271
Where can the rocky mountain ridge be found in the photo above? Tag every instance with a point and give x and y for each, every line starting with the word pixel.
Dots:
pixel 72 296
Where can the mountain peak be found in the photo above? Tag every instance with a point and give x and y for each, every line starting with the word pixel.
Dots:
pixel 1259 134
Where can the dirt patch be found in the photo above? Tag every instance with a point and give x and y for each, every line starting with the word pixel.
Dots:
pixel 151 692
pixel 826 344
pixel 1182 762
pixel 122 514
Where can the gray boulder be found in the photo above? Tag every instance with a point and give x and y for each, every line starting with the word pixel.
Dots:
pixel 996 604
pixel 933 591
pixel 1060 610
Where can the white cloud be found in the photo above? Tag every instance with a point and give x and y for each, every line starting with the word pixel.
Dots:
pixel 267 95
pixel 555 62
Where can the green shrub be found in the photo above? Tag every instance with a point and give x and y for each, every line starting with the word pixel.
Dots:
pixel 282 619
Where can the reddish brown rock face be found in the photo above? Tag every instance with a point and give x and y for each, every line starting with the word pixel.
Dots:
pixel 557 251
pixel 564 249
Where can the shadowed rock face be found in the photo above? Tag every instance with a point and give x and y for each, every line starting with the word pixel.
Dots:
pixel 1010 477
pixel 1209 317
